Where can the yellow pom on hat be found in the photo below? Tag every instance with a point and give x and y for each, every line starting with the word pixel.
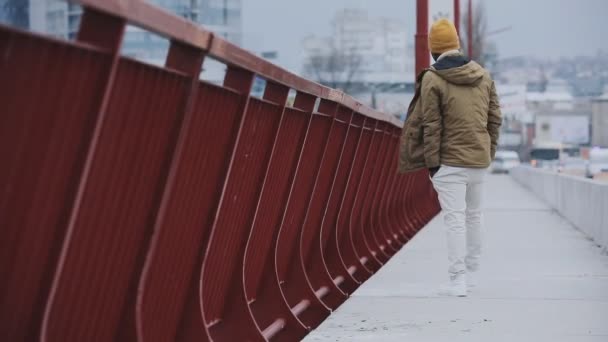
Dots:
pixel 443 37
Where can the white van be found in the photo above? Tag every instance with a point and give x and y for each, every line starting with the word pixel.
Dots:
pixel 598 162
pixel 505 161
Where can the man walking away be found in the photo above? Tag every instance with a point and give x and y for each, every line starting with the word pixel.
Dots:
pixel 452 130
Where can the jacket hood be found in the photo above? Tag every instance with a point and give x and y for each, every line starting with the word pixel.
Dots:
pixel 459 70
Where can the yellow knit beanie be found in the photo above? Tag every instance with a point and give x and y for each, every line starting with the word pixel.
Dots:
pixel 443 37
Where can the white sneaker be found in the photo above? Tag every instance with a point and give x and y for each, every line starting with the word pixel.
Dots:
pixel 457 287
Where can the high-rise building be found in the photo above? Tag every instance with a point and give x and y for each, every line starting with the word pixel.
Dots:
pixel 220 16
pixel 379 45
pixel 15 13
pixel 61 18
pixel 55 17
pixel 223 17
pixel 369 57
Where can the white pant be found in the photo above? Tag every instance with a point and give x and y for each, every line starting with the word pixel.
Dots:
pixel 459 191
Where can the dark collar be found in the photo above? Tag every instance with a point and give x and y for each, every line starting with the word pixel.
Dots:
pixel 449 62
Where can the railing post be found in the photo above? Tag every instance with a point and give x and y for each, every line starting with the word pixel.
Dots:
pixel 147 325
pixel 422 35
pixel 344 235
pixel 305 300
pixel 366 254
pixel 215 302
pixel 310 237
pixel 457 15
pixel 106 32
pixel 470 29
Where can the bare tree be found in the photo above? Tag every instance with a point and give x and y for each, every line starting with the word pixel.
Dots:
pixel 480 33
pixel 336 68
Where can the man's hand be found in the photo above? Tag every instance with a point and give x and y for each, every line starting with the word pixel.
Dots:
pixel 433 171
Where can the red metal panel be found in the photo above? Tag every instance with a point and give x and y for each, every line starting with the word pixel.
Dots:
pixel 302 192
pixel 241 81
pixel 369 246
pixel 291 139
pixel 330 242
pixel 421 193
pixel 261 284
pixel 407 216
pixel 223 297
pixel 374 240
pixel 384 168
pixel 391 196
pixel 396 210
pixel 420 184
pixel 413 202
pixel 391 231
pixel 295 285
pixel 410 204
pixel 357 241
pixel 391 228
pixel 118 206
pixel 188 60
pixel 310 243
pixel 344 238
pixel 45 129
pixel 182 234
pixel 430 202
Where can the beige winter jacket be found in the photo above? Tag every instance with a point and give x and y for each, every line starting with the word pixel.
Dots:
pixel 454 118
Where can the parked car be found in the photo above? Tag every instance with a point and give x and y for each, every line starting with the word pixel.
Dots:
pixel 598 162
pixel 505 161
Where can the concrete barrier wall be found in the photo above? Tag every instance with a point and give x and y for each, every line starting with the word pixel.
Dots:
pixel 582 201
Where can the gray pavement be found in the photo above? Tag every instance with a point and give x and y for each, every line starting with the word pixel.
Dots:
pixel 541 280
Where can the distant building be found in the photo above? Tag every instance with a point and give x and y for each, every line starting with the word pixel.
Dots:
pixel 15 13
pixel 380 43
pixel 369 57
pixel 600 121
pixel 54 17
pixel 552 116
pixel 60 18
pixel 514 102
pixel 223 17
pixel 561 118
pixel 549 101
pixel 561 95
pixel 563 127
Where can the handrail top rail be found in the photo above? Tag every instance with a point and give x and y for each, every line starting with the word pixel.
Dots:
pixel 160 21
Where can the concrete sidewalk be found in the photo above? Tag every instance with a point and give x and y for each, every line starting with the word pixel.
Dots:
pixel 541 280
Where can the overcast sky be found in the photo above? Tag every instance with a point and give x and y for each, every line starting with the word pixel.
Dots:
pixel 539 27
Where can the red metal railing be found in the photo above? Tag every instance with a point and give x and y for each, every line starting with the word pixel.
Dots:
pixel 140 203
